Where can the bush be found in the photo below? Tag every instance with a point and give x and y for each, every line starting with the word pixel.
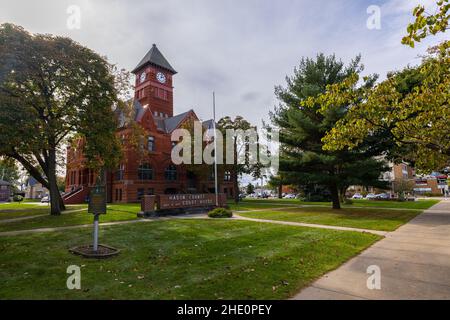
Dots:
pixel 220 213
pixel 348 201
pixel 17 198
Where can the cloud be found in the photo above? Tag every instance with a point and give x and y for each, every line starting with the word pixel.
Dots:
pixel 239 49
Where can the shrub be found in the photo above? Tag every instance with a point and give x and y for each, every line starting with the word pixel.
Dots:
pixel 17 198
pixel 220 213
pixel 348 201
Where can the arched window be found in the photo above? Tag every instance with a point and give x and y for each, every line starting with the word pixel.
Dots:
pixel 171 173
pixel 145 172
pixel 227 176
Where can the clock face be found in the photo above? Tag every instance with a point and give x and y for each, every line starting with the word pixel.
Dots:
pixel 143 76
pixel 161 77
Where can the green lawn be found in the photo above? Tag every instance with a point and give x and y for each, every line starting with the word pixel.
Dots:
pixel 371 218
pixel 18 210
pixel 419 204
pixel 253 204
pixel 247 204
pixel 120 212
pixel 177 259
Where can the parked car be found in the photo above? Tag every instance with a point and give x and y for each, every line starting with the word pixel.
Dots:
pixel 45 199
pixel 382 196
pixel 357 196
pixel 290 196
pixel 371 196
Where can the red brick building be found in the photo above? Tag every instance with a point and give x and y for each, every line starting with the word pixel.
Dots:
pixel 152 171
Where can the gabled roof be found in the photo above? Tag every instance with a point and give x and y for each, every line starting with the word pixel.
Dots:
pixel 173 122
pixel 208 124
pixel 4 183
pixel 154 57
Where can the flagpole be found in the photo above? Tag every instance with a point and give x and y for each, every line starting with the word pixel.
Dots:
pixel 215 150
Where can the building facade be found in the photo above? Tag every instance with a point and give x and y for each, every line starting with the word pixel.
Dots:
pixel 146 168
pixel 5 191
pixel 34 189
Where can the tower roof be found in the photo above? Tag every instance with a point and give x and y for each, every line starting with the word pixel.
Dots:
pixel 154 57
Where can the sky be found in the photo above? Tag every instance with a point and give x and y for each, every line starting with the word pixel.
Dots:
pixel 239 49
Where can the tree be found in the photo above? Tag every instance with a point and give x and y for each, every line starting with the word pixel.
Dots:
pixel 240 147
pixel 402 186
pixel 51 89
pixel 427 24
pixel 276 182
pixel 412 106
pixel 250 189
pixel 302 125
pixel 9 170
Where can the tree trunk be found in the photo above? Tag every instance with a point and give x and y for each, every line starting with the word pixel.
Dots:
pixel 342 192
pixel 55 196
pixel 236 188
pixel 280 191
pixel 335 196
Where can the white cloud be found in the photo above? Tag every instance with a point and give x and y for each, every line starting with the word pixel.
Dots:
pixel 240 49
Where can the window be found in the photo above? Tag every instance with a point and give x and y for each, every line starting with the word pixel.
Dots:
pixel 160 93
pixel 140 193
pixel 151 144
pixel 171 173
pixel 118 194
pixel 145 172
pixel 119 172
pixel 227 176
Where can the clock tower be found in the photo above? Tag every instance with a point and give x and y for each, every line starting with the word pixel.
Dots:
pixel 154 86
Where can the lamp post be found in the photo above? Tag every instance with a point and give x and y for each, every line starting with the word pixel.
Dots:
pixel 215 150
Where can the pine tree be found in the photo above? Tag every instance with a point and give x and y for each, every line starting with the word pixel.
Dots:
pixel 303 161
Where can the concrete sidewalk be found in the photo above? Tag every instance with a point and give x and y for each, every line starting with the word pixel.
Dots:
pixel 414 262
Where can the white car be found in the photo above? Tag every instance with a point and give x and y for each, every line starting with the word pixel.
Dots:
pixel 290 196
pixel 371 196
pixel 45 199
pixel 357 196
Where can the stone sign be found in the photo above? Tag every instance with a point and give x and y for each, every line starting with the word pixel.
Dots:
pixel 174 201
pixel 97 200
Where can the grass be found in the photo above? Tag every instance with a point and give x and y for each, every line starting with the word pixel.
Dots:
pixel 418 205
pixel 374 219
pixel 177 259
pixel 120 212
pixel 248 204
pixel 18 210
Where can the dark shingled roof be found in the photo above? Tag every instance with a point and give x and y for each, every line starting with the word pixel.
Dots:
pixel 173 122
pixel 208 124
pixel 4 183
pixel 154 57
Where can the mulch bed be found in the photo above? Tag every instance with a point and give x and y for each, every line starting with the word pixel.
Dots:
pixel 87 251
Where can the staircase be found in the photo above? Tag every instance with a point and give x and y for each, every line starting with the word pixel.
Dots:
pixel 76 196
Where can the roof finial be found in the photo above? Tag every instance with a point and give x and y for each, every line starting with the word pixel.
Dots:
pixel 154 45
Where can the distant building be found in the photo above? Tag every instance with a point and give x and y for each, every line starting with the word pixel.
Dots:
pixel 5 191
pixel 432 184
pixel 34 189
